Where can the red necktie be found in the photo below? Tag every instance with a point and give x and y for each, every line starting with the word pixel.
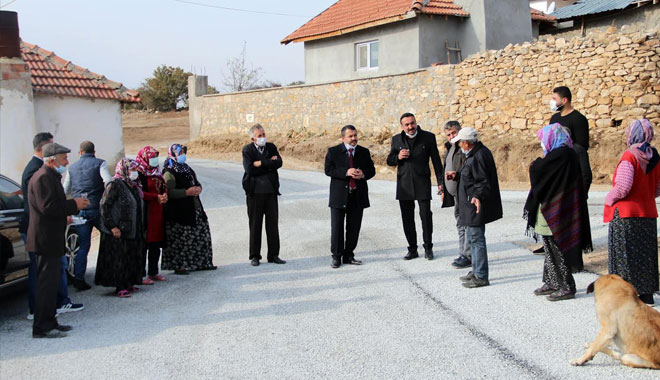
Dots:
pixel 351 182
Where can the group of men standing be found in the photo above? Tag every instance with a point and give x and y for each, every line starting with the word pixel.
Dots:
pixel 468 182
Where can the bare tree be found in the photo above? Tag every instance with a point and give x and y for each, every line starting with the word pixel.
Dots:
pixel 240 76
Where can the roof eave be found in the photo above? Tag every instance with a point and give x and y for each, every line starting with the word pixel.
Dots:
pixel 407 16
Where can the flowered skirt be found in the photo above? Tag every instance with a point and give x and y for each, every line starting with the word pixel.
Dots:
pixel 633 251
pixel 188 247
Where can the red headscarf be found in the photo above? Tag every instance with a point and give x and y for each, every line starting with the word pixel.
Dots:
pixel 142 158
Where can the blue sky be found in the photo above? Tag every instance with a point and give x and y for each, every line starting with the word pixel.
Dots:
pixel 126 39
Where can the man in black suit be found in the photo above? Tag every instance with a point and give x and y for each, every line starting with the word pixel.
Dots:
pixel 261 184
pixel 349 166
pixel 410 153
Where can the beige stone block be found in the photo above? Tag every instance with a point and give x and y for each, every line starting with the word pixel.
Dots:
pixel 517 123
pixel 604 123
pixel 599 62
pixel 590 102
pixel 647 100
pixel 603 109
pixel 650 66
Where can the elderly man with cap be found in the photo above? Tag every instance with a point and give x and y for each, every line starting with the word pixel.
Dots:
pixel 478 200
pixel 49 210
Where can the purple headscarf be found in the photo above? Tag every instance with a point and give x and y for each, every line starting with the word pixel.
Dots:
pixel 640 135
pixel 554 136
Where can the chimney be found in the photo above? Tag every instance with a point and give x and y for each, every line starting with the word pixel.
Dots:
pixel 17 121
pixel 10 43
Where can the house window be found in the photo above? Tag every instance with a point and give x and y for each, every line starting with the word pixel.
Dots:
pixel 366 55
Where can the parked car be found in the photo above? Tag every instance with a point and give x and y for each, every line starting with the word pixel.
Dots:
pixel 14 259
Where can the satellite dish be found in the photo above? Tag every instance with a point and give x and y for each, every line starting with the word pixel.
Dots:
pixel 551 8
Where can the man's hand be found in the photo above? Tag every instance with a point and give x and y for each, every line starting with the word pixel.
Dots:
pixel 449 176
pixel 256 164
pixel 357 174
pixel 274 158
pixel 81 203
pixel 440 190
pixel 403 154
pixel 477 203
pixel 116 232
pixel 69 219
pixel 351 172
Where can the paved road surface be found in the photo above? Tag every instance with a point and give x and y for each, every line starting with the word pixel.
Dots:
pixel 388 319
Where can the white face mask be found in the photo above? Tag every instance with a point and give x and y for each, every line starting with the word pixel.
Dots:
pixel 133 176
pixel 554 107
pixel 261 141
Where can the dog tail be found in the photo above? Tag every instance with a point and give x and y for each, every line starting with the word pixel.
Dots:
pixel 590 288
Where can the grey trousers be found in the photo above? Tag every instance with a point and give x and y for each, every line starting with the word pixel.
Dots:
pixel 463 241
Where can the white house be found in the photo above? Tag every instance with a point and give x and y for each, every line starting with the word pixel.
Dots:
pixel 41 92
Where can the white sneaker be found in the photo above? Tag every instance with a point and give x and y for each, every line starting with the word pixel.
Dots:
pixel 70 307
pixel 30 316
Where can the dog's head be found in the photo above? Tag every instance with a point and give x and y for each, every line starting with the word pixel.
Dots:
pixel 605 281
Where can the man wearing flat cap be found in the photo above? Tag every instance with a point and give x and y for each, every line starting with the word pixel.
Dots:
pixel 478 201
pixel 49 210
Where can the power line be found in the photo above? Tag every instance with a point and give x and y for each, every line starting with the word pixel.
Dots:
pixel 4 5
pixel 237 10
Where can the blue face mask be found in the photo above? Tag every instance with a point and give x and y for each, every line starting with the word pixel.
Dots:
pixel 153 162
pixel 61 169
pixel 181 159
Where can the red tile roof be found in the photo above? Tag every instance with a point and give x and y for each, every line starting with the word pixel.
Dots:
pixel 52 75
pixel 346 16
pixel 542 17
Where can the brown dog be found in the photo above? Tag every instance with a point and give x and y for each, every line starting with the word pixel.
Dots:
pixel 626 321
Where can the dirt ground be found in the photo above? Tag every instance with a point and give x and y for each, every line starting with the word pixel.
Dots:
pixel 307 152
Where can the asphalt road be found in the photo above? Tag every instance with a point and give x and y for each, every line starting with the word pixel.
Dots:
pixel 387 319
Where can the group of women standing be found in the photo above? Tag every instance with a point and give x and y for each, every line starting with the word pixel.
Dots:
pixel 146 211
pixel 556 209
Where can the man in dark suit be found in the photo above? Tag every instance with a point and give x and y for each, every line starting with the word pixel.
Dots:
pixel 349 166
pixel 261 184
pixel 410 153
pixel 49 209
pixel 64 303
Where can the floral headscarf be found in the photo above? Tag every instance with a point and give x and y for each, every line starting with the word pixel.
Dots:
pixel 640 135
pixel 142 158
pixel 171 163
pixel 124 166
pixel 144 155
pixel 554 136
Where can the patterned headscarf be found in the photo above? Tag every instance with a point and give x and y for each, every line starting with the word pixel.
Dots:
pixel 554 136
pixel 124 166
pixel 171 163
pixel 640 135
pixel 142 158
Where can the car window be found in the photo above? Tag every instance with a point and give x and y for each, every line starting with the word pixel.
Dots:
pixel 7 186
pixel 8 198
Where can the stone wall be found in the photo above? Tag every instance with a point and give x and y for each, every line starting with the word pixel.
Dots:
pixel 614 77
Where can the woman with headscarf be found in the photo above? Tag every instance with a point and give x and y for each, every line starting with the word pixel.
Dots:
pixel 556 209
pixel 187 230
pixel 155 196
pixel 632 214
pixel 119 263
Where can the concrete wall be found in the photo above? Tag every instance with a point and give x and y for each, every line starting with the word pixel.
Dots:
pixel 333 59
pixel 507 22
pixel 72 120
pixel 198 85
pixel 433 31
pixel 16 117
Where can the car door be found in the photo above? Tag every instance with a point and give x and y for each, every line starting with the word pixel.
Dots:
pixel 14 260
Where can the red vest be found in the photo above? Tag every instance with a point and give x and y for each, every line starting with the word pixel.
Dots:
pixel 640 201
